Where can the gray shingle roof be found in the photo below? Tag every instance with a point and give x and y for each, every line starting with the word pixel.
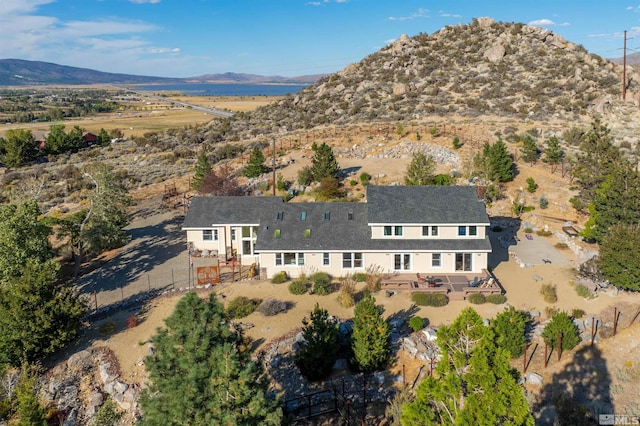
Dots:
pixel 206 211
pixel 425 204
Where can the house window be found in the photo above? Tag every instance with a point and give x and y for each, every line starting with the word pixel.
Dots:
pixel 233 234
pixel 325 259
pixel 209 235
pixel 473 231
pixel 463 262
pixel 350 215
pixel 392 230
pixel 425 231
pixel 462 231
pixel 279 215
pixel 436 260
pixel 327 215
pixel 351 260
pixel 289 259
pixel 402 262
pixel 434 231
pixel 249 235
pixel 307 233
pixel 303 216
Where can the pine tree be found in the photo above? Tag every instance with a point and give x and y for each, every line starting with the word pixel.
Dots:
pixel 38 316
pixel 324 162
pixel 317 354
pixel 255 165
pixel 509 328
pixel 499 161
pixel 474 383
pixel 29 409
pixel 598 159
pixel 561 324
pixel 529 150
pixel 553 152
pixel 619 254
pixel 202 168
pixel 17 147
pixel 23 237
pixel 420 170
pixel 370 338
pixel 202 374
pixel 615 202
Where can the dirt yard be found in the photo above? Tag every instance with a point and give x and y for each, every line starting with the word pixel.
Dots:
pixel 521 284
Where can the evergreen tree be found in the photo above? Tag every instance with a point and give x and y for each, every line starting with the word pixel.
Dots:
pixel 23 237
pixel 103 226
pixel 619 254
pixel 420 170
pixel 509 328
pixel 499 162
pixel 324 162
pixel 202 168
pixel 474 383
pixel 56 141
pixel 561 324
pixel 202 374
pixel 553 152
pixel 38 316
pixel 17 147
pixel 103 138
pixel 598 159
pixel 529 149
pixel 615 202
pixel 370 338
pixel 319 350
pixel 29 409
pixel 255 165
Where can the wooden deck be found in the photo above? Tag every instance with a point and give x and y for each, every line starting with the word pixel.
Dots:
pixel 455 286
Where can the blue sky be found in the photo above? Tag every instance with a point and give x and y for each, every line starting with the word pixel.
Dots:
pixel 183 38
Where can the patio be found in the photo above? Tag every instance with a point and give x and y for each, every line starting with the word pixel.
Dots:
pixel 455 286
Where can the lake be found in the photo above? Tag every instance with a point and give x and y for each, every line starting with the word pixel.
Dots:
pixel 222 89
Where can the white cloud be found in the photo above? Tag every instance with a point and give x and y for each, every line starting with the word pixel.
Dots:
pixel 542 23
pixel 449 15
pixel 145 1
pixel 163 50
pixel 421 13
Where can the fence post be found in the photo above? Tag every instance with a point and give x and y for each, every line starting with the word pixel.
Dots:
pixel 95 297
pixel 149 281
pixel 559 345
pixel 546 353
pixel 524 367
pixel 615 320
pixel 173 280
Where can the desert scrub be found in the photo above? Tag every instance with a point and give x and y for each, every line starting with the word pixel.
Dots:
pixel 477 298
pixel 543 233
pixel 416 323
pixel 321 283
pixel 242 306
pixel 496 299
pixel 359 277
pixel 271 307
pixel 562 246
pixel 428 299
pixel 583 291
pixel 577 313
pixel 346 298
pixel 548 293
pixel 107 329
pixel 279 278
pixel 298 287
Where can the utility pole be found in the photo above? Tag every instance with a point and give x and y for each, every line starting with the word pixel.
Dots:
pixel 624 68
pixel 274 166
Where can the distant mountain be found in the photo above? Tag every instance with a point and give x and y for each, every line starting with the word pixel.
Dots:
pixel 19 72
pixel 632 59
pixel 232 77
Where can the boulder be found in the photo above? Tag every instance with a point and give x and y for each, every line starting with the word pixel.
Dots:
pixel 535 379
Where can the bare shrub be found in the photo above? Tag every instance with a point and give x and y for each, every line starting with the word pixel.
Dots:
pixel 374 280
pixel 346 298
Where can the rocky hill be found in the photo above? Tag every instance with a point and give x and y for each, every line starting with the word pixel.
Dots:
pixel 483 68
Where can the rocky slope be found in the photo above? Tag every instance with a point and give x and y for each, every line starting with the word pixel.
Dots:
pixel 483 68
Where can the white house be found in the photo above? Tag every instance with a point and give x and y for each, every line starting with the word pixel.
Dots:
pixel 417 229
